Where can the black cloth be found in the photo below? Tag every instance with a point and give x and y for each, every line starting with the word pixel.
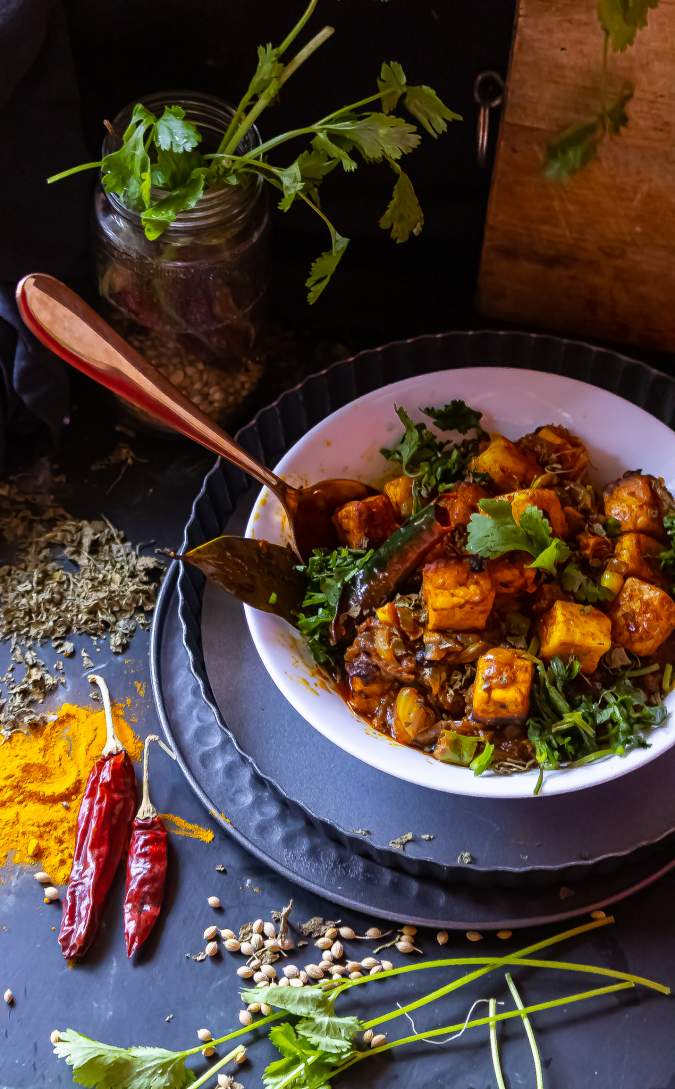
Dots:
pixel 42 228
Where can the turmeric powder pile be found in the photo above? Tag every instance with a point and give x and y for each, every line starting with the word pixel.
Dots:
pixel 42 778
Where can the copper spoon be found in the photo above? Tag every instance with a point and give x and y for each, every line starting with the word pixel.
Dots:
pixel 72 330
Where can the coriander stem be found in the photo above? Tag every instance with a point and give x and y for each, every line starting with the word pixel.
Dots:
pixel 73 170
pixel 274 141
pixel 293 33
pixel 238 1032
pixel 529 1031
pixel 347 109
pixel 603 76
pixel 312 45
pixel 478 1022
pixel 208 1074
pixel 494 1046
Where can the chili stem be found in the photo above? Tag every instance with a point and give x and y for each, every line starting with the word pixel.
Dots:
pixel 494 1046
pixel 529 1031
pixel 147 810
pixel 113 744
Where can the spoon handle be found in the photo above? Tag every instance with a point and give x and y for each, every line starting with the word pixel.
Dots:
pixel 66 325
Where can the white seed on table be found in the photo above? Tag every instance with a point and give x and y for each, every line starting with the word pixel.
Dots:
pixel 272 943
pixel 374 932
pixel 214 902
pixel 387 966
pixel 347 933
pixel 374 971
pixel 210 933
pixel 51 893
pixel 283 982
pixel 474 935
pixel 8 997
pixel 232 945
pixel 255 964
pixel 257 942
pixel 504 934
pixel 245 972
pixel 303 975
pixel 369 962
pixel 331 933
pixel 245 1018
pixel 247 949
pixel 224 1081
pixel 257 976
pixel 205 1035
pixel 265 1009
pixel 291 970
pixel 269 930
pixel 327 955
pixel 253 1007
pixel 42 878
pixel 286 944
pixel 409 931
pixel 442 937
pixel 368 1035
pixel 258 926
pixel 355 975
pixel 209 1051
pixel 338 970
pixel 313 971
pixel 337 950
pixel 325 965
pixel 240 1057
pixel 378 1040
pixel 598 914
pixel 54 1036
pixel 268 971
pixel 262 983
pixel 323 943
pixel 211 949
pixel 296 983
pixel 405 946
pixel 353 965
pixel 227 933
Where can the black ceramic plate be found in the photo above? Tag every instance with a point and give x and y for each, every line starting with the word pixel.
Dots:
pixel 537 840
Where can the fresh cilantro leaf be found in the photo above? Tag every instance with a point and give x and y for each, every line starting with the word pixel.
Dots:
pixel 621 20
pixel 331 1034
pixel 173 169
pixel 379 136
pixel 326 573
pixel 127 172
pixel 301 1065
pixel 403 215
pixel 324 266
pixel 291 183
pixel 101 1066
pixel 314 166
pixel 391 85
pixel 572 150
pixel 174 133
pixel 482 762
pixel 269 69
pixel 667 556
pixel 583 588
pixel 335 149
pixel 431 112
pixel 494 532
pixel 303 1001
pixel 455 416
pixel 417 445
pixel 157 217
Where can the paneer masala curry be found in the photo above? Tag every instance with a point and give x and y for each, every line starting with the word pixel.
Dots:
pixel 491 607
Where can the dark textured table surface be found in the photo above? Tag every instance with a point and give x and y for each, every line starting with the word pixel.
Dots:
pixel 624 1041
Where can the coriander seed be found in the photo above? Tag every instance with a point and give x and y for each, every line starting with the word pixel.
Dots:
pixel 265 1009
pixel 214 902
pixel 8 997
pixel 347 933
pixel 210 933
pixel 209 1051
pixel 205 1035
pixel 474 935
pixel 232 945
pixel 337 950
pixel 378 1040
pixel 269 930
pixel 245 972
pixel 227 933
pixel 51 894
pixel 368 1035
pixel 211 949
pixel 42 878
pixel 442 937
pixel 245 1018
pixel 504 934
pixel 374 932
pixel 54 1036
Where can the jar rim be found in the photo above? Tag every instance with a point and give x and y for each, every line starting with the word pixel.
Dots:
pixel 224 204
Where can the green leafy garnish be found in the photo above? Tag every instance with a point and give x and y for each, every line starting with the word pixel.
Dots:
pixel 456 748
pixel 482 762
pixel 571 724
pixel 435 465
pixel 621 20
pixel 494 532
pixel 667 557
pixel 326 573
pixel 102 1066
pixel 582 587
pixel 159 172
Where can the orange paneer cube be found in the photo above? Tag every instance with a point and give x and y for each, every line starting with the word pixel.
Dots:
pixel 638 553
pixel 364 523
pixel 399 492
pixel 501 689
pixel 643 616
pixel 571 630
pixel 508 466
pixel 634 501
pixel 545 500
pixel 456 596
pixel 512 574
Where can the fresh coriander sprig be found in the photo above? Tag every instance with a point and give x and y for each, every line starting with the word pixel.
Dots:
pixel 494 532
pixel 160 171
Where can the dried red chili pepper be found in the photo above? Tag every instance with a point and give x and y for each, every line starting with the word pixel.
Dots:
pixel 146 867
pixel 103 826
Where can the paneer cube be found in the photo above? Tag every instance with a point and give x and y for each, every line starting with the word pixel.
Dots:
pixel 511 574
pixel 455 507
pixel 569 629
pixel 643 616
pixel 365 523
pixel 501 690
pixel 635 502
pixel 546 500
pixel 639 555
pixel 557 449
pixel 456 597
pixel 399 491
pixel 508 466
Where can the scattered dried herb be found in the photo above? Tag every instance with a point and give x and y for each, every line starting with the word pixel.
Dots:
pixel 400 841
pixel 316 927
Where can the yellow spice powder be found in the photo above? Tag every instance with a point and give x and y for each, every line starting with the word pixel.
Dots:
pixel 39 772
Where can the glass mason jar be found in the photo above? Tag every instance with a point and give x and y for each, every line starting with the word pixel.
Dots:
pixel 192 300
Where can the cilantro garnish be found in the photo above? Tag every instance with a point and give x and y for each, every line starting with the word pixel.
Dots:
pixel 494 532
pixel 582 587
pixel 159 171
pixel 326 573
pixel 667 557
pixel 433 464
